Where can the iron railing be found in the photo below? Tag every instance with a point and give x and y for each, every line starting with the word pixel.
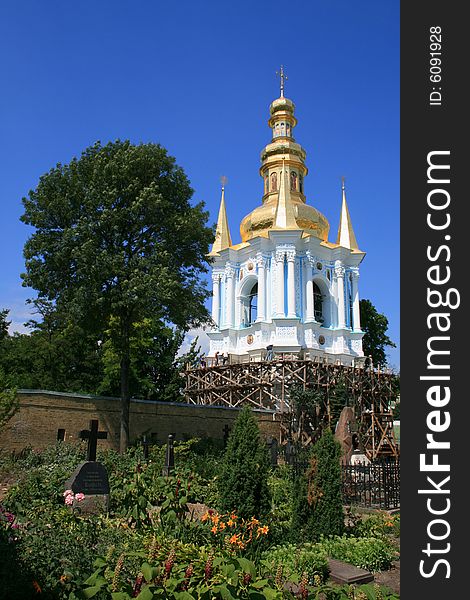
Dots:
pixel 375 485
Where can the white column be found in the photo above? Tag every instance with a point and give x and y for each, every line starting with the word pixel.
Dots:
pixel 269 292
pixel 291 284
pixel 215 298
pixel 339 272
pixel 229 272
pixel 261 290
pixel 310 314
pixel 280 311
pixel 356 324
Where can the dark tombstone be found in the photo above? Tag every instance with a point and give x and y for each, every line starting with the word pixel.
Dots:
pixel 273 451
pixel 145 445
pixel 169 457
pixel 89 484
pixel 289 453
pixel 226 435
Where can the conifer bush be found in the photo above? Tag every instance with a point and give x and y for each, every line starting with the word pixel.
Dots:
pixel 317 502
pixel 243 480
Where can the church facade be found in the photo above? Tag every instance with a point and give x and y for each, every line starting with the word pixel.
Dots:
pixel 286 288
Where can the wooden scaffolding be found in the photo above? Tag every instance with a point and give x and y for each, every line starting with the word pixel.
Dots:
pixel 267 385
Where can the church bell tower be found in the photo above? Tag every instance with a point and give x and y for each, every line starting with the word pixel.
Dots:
pixel 285 285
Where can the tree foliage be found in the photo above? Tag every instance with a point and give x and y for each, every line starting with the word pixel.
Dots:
pixel 375 340
pixel 243 480
pixel 117 243
pixel 318 505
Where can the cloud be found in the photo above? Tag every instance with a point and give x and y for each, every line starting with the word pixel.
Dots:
pixel 203 340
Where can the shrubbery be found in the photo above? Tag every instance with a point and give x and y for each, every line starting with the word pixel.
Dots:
pixel 150 540
pixel 243 481
pixel 318 505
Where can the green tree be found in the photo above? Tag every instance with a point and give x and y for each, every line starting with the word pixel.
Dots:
pixel 4 324
pixel 375 340
pixel 243 479
pixel 317 502
pixel 117 241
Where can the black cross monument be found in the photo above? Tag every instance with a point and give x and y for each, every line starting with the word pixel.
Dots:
pixel 92 435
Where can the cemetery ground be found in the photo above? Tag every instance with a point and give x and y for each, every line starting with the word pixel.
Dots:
pixel 168 536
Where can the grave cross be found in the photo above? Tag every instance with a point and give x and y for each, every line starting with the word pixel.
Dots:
pixel 145 445
pixel 92 435
pixel 169 457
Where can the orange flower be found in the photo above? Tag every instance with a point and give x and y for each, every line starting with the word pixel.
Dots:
pixel 204 517
pixel 254 521
pixel 233 516
pixel 234 539
pixel 215 518
pixel 222 525
pixel 230 522
pixel 214 529
pixel 262 530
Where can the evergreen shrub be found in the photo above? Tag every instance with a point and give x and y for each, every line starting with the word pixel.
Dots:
pixel 317 501
pixel 243 480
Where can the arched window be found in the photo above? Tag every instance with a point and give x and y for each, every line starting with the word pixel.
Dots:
pixel 293 181
pixel 266 184
pixel 273 182
pixel 318 303
pixel 250 306
pixel 253 304
pixel 301 184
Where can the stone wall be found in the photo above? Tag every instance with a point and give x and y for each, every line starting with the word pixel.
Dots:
pixel 43 413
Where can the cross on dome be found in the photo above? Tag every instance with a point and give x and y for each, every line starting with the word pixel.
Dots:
pixel 283 78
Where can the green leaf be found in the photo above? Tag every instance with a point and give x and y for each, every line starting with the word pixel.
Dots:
pixel 145 594
pixel 147 572
pixel 92 580
pixel 120 596
pixel 91 591
pixel 247 566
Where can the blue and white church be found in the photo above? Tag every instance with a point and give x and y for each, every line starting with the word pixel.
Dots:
pixel 286 286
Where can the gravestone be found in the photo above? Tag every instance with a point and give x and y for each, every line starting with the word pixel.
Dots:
pixel 347 434
pixel 145 444
pixel 273 451
pixel 169 457
pixel 90 478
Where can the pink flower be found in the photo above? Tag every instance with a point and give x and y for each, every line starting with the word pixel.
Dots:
pixel 69 500
pixel 79 497
pixel 67 493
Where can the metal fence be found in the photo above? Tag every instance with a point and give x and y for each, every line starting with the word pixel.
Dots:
pixel 375 485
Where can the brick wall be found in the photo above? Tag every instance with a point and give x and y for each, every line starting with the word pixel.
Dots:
pixel 42 413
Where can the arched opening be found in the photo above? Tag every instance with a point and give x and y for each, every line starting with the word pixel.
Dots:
pixel 318 304
pixel 253 304
pixel 249 305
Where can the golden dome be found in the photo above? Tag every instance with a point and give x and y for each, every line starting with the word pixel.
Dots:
pixel 262 220
pixel 283 170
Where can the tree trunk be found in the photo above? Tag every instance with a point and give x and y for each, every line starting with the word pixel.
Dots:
pixel 125 404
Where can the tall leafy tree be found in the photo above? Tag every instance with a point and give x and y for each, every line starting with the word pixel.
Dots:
pixel 117 241
pixel 375 340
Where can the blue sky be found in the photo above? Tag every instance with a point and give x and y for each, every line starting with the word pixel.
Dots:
pixel 198 78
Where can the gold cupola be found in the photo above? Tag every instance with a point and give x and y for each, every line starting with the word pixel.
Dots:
pixel 283 170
